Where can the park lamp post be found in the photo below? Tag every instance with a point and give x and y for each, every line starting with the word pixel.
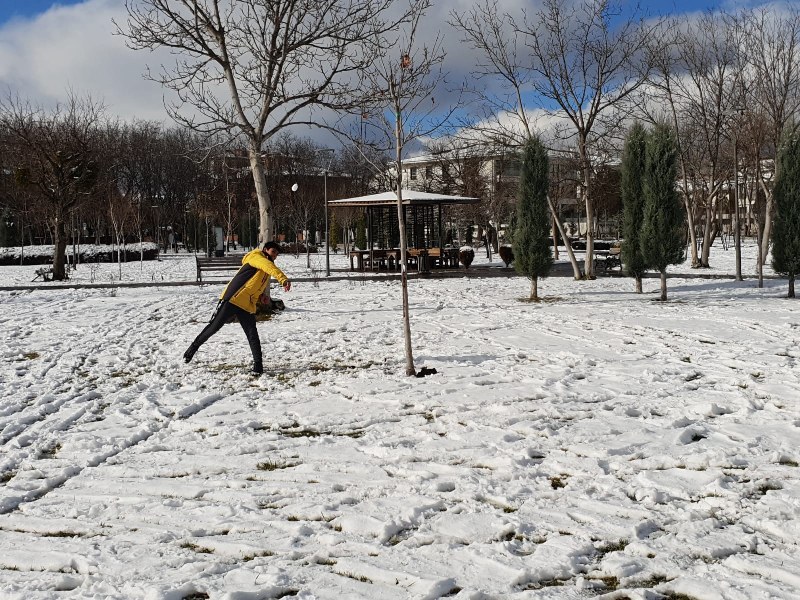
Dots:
pixel 330 152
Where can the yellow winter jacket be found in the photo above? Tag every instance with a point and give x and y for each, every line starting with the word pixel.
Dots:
pixel 252 279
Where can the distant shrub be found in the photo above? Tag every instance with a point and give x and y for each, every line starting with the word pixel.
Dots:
pixel 507 254
pixel 466 255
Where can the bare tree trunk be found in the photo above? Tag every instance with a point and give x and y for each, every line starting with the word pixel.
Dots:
pixel 692 235
pixel 534 289
pixel 401 220
pixel 410 370
pixel 588 267
pixel 265 217
pixel 767 229
pixel 576 270
pixel 791 286
pixel 664 285
pixel 638 280
pixel 708 226
pixel 60 248
pixel 555 239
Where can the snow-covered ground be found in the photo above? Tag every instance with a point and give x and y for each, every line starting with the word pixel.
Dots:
pixel 597 444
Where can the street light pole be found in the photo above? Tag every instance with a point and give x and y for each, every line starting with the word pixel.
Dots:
pixel 736 231
pixel 327 228
pixel 330 152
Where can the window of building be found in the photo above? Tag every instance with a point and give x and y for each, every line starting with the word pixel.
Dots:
pixel 412 173
pixel 429 172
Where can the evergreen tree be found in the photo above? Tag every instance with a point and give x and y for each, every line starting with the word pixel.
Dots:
pixel 361 232
pixel 663 229
pixel 632 188
pixel 333 233
pixel 531 245
pixel 786 232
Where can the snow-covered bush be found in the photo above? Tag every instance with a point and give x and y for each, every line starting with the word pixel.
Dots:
pixel 89 253
pixel 506 254
pixel 466 255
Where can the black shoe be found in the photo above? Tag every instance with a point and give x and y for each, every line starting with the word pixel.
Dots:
pixel 257 370
pixel 187 356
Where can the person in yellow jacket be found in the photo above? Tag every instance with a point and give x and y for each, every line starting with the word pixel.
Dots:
pixel 240 297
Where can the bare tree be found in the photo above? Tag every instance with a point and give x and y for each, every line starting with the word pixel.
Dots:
pixel 699 76
pixel 581 59
pixel 773 50
pixel 255 67
pixel 586 59
pixel 505 121
pixel 57 151
pixel 399 101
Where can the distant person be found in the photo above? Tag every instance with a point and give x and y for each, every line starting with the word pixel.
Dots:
pixel 239 300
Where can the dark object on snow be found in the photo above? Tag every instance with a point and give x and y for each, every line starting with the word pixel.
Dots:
pixel 465 256
pixel 506 255
pixel 426 371
pixel 277 304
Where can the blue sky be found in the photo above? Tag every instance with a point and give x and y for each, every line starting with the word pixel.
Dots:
pixel 10 9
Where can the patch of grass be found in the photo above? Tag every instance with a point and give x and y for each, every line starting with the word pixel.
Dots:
pixel 262 554
pixel 196 548
pixel 7 476
pixel 652 581
pixel 545 584
pixel 610 581
pixel 788 462
pixel 609 547
pixel 558 481
pixel 400 536
pixel 61 534
pixel 50 451
pixel 677 596
pixel 196 596
pixel 361 578
pixel 328 562
pixel 768 486
pixel 315 383
pixel 300 433
pixel 270 465
pixel 31 355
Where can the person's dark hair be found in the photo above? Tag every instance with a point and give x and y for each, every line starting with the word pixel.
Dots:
pixel 269 245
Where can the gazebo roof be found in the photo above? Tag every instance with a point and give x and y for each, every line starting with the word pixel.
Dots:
pixel 410 197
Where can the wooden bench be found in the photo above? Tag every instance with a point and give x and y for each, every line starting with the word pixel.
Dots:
pixel 608 260
pixel 217 264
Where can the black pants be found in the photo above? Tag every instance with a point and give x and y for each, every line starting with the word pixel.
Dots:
pixel 246 320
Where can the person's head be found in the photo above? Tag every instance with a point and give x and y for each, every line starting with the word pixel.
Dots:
pixel 271 249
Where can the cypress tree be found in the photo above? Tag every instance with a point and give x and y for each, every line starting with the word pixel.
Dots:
pixel 361 232
pixel 786 231
pixel 662 234
pixel 531 244
pixel 632 189
pixel 333 233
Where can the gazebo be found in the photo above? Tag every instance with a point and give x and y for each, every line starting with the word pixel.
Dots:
pixel 424 217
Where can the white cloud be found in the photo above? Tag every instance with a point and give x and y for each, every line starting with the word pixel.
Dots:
pixel 72 47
